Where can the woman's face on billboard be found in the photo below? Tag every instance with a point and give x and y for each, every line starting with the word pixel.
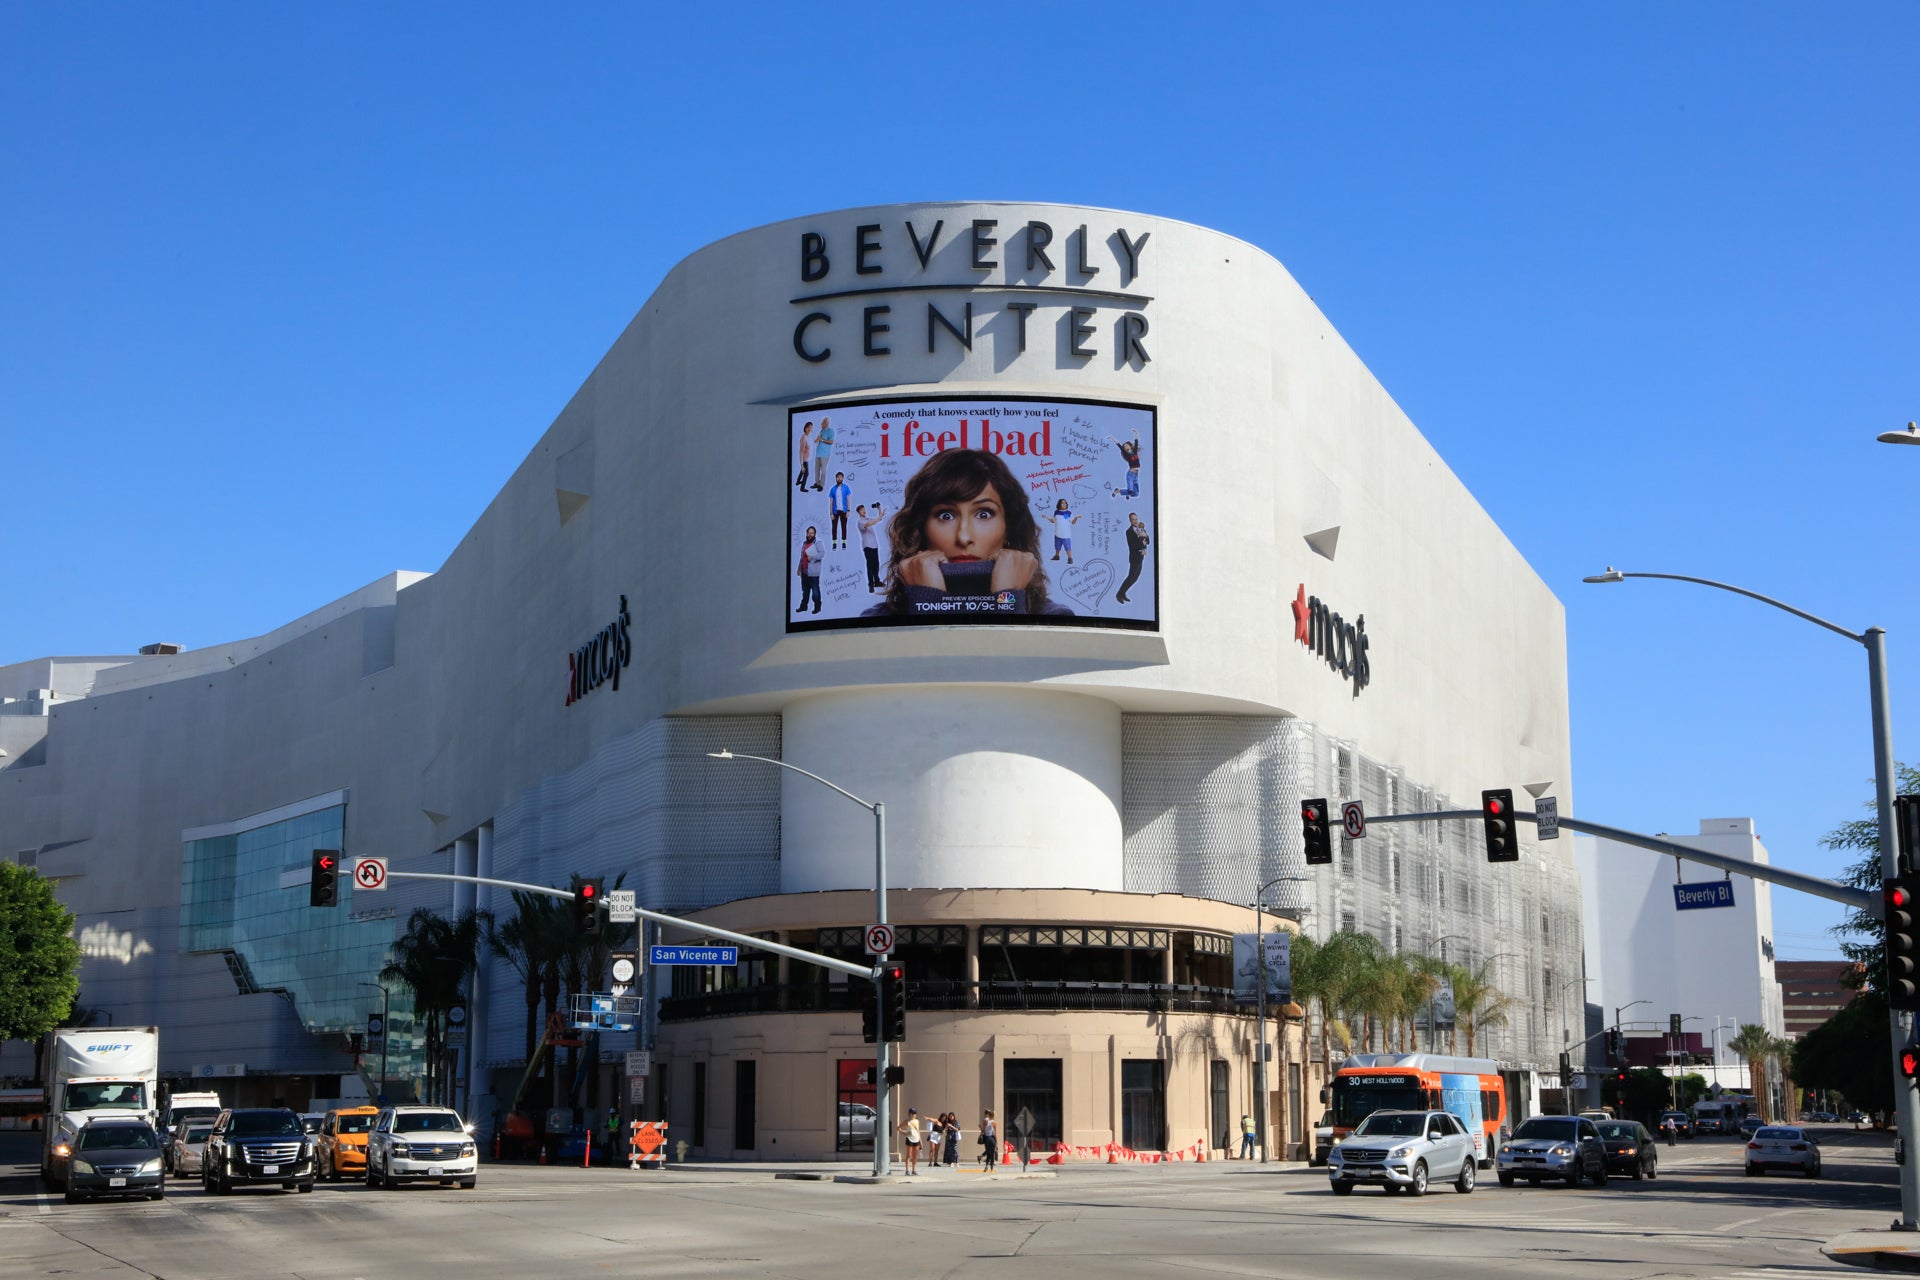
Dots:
pixel 969 530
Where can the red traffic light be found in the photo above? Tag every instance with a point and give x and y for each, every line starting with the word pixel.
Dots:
pixel 1910 1062
pixel 325 862
pixel 1495 805
pixel 1898 895
pixel 586 889
pixel 1309 813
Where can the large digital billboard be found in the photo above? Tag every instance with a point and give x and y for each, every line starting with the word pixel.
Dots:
pixel 991 510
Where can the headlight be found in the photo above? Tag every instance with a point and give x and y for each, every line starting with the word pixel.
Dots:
pixel 81 1166
pixel 399 1149
pixel 1506 1148
pixel 1563 1149
pixel 467 1150
pixel 151 1166
pixel 62 1149
pixel 1627 1151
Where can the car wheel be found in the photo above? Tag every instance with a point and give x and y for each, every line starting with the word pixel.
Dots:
pixel 306 1187
pixel 1506 1179
pixel 161 1194
pixel 72 1196
pixel 468 1184
pixel 1573 1173
pixel 1464 1183
pixel 1342 1187
pixel 1813 1170
pixel 373 1179
pixel 1600 1175
pixel 1752 1172
pixel 1418 1187
pixel 1639 1171
pixel 1653 1167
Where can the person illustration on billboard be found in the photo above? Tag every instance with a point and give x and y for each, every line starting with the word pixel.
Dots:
pixel 965 544
pixel 1063 533
pixel 838 499
pixel 809 570
pixel 870 544
pixel 822 446
pixel 1130 451
pixel 806 453
pixel 1137 541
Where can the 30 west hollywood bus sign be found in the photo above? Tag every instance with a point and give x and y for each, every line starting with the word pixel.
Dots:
pixel 1087 272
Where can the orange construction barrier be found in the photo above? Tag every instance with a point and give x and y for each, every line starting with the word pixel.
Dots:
pixel 647 1148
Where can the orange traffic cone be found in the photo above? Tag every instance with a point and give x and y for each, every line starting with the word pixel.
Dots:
pixel 543 1152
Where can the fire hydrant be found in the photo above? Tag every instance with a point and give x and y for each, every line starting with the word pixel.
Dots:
pixel 680 1151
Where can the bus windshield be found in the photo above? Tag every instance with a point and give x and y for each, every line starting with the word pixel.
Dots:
pixel 1355 1098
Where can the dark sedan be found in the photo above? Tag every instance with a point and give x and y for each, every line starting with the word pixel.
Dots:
pixel 1682 1123
pixel 1630 1149
pixel 116 1158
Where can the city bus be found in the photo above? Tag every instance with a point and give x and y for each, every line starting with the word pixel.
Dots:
pixel 1469 1088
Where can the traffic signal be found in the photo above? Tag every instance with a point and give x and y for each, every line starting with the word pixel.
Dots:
pixel 1906 829
pixel 586 904
pixel 323 887
pixel 894 1006
pixel 1496 815
pixel 1313 830
pixel 1903 944
pixel 870 1015
pixel 1910 1062
pixel 1613 1045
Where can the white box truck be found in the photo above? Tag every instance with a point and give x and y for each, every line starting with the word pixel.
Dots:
pixel 91 1072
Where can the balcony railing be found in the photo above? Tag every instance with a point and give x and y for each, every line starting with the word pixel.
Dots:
pixel 938 993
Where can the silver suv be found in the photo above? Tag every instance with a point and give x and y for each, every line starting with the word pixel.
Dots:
pixel 1404 1151
pixel 421 1144
pixel 1564 1147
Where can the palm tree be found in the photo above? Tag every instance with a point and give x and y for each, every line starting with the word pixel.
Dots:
pixel 1754 1043
pixel 1324 973
pixel 1477 1002
pixel 433 958
pixel 1780 1052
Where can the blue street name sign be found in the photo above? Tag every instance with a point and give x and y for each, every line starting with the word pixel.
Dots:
pixel 693 955
pixel 1712 893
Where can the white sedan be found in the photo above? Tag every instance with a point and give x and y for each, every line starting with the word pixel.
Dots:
pixel 1779 1146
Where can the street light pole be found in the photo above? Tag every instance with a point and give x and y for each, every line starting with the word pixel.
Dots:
pixel 1906 1101
pixel 1433 1031
pixel 882 1111
pixel 1260 1049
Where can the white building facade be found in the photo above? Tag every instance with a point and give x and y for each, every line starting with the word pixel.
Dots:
pixel 1082 789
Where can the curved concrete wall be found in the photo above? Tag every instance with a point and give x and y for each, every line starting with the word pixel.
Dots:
pixel 984 788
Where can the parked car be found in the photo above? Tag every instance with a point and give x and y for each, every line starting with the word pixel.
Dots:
pixel 189 1140
pixel 1564 1147
pixel 1322 1140
pixel 1780 1146
pixel 1750 1125
pixel 1404 1151
pixel 421 1144
pixel 1821 1117
pixel 251 1146
pixel 856 1126
pixel 1682 1123
pixel 343 1142
pixel 115 1157
pixel 1630 1149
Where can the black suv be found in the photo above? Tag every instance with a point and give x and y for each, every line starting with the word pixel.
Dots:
pixel 257 1145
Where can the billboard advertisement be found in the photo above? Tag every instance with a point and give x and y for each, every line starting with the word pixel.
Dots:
pixel 1246 967
pixel 997 510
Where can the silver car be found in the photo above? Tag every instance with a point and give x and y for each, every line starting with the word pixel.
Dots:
pixel 1781 1146
pixel 1566 1148
pixel 1404 1151
pixel 186 1145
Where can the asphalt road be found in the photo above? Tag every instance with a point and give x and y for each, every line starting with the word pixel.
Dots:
pixel 1701 1218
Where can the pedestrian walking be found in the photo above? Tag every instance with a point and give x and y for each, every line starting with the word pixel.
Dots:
pixel 989 1142
pixel 910 1141
pixel 1246 1136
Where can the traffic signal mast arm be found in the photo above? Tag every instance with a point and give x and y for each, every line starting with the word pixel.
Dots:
pixel 691 926
pixel 1864 899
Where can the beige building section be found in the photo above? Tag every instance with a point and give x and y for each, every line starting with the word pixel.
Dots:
pixel 955 1058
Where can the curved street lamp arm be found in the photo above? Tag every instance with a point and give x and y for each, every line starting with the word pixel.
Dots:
pixel 1615 575
pixel 724 754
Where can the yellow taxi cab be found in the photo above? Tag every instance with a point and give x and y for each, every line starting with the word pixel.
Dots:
pixel 343 1142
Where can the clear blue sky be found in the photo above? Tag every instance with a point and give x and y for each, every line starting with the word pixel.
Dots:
pixel 289 290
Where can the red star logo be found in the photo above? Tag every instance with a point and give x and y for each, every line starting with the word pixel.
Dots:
pixel 1302 617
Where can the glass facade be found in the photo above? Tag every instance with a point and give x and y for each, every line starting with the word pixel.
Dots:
pixel 246 894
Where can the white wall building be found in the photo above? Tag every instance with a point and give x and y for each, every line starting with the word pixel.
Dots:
pixel 1083 790
pixel 1713 965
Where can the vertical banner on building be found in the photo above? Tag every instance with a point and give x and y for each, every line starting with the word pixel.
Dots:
pixel 1246 967
pixel 1442 1005
pixel 1004 511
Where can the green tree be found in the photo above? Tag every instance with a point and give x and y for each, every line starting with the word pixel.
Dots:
pixel 1848 1054
pixel 1477 1002
pixel 39 960
pixel 1863 938
pixel 434 958
pixel 1755 1044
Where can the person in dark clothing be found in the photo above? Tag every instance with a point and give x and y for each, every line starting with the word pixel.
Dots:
pixel 1130 452
pixel 1137 541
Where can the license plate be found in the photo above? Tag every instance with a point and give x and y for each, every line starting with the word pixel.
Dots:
pixel 269 1168
pixel 433 1171
pixel 116 1182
